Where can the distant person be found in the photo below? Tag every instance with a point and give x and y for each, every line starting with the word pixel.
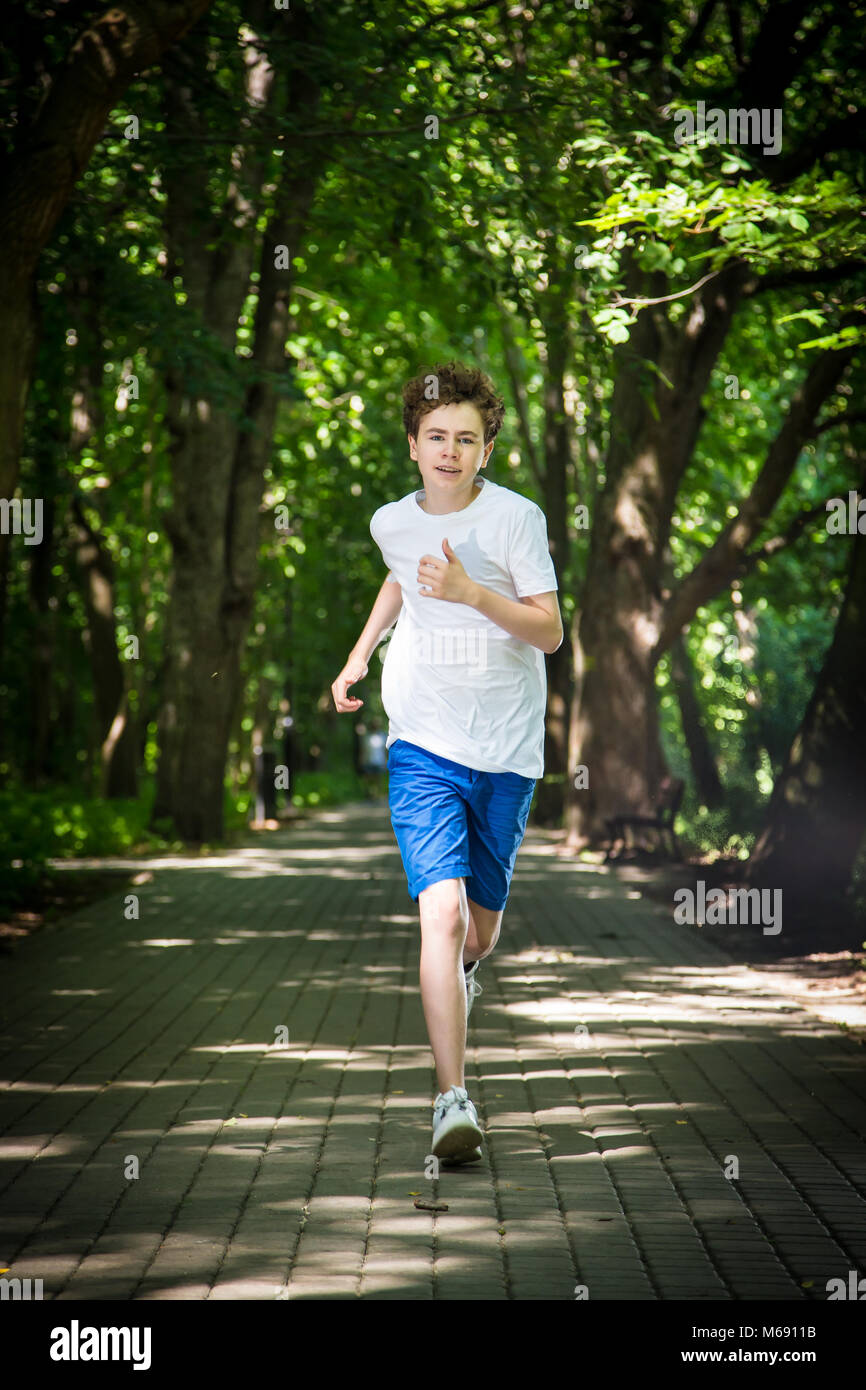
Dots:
pixel 375 749
pixel 464 686
pixel 374 758
pixel 290 756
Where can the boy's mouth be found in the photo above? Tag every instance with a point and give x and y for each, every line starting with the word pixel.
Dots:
pixel 440 468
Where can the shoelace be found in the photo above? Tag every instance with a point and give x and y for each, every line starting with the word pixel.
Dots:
pixel 443 1104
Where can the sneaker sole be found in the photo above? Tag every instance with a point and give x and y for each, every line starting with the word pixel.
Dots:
pixel 473 1157
pixel 459 1138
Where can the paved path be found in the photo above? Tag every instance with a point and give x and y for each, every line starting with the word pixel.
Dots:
pixel 661 1122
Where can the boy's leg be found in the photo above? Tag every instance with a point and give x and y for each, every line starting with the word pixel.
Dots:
pixel 444 923
pixel 498 810
pixel 428 799
pixel 483 934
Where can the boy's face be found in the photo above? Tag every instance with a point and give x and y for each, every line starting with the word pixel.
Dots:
pixel 450 450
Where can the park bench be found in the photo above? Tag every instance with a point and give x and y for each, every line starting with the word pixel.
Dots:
pixel 667 804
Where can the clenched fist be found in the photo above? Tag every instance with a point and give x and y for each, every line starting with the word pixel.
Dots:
pixel 354 670
pixel 444 579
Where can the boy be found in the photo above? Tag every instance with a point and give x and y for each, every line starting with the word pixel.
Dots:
pixel 464 686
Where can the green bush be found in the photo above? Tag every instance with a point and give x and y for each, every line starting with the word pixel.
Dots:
pixel 64 823
pixel 729 829
pixel 313 789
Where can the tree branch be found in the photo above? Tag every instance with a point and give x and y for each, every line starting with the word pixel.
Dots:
pixel 775 57
pixel 518 392
pixel 735 27
pixel 843 133
pixel 848 417
pixel 782 541
pixel 698 29
pixel 447 17
pixel 721 562
pixel 680 294
pixel 819 275
pixel 125 39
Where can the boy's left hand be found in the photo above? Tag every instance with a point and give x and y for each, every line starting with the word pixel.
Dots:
pixel 444 579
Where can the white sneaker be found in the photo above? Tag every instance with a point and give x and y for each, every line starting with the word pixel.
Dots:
pixel 456 1132
pixel 473 988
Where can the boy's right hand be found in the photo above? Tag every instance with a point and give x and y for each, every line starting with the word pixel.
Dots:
pixel 354 670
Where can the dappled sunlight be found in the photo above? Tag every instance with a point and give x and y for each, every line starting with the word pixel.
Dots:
pixel 76 993
pixel 345 852
pixel 45 1145
pixel 118 1083
pixel 342 835
pixel 165 941
pixel 602 1053
pixel 408 1225
pixel 238 938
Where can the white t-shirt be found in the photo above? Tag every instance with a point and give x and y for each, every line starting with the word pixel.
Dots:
pixel 453 681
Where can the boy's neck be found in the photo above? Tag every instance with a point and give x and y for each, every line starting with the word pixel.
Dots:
pixel 447 509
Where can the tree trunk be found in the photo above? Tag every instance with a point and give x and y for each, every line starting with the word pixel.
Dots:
pixel 116 731
pixel 43 655
pixel 701 756
pixel 656 417
pixel 217 466
pixel 558 466
pixel 816 819
pixel 17 359
pixel 746 622
pixel 48 445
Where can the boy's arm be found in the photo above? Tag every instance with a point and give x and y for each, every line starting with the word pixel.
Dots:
pixel 535 618
pixel 383 615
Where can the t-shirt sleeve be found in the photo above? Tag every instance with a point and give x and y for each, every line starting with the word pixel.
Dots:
pixel 529 560
pixel 390 576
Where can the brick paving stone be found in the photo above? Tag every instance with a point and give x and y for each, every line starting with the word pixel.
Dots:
pixel 230 1097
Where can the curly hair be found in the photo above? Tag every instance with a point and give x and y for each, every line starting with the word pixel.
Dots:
pixel 449 383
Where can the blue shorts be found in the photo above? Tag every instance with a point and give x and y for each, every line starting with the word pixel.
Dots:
pixel 452 821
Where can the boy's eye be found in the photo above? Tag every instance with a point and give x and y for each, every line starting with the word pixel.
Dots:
pixel 464 440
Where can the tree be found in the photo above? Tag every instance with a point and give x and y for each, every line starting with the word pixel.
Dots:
pixel 49 153
pixel 221 438
pixel 667 354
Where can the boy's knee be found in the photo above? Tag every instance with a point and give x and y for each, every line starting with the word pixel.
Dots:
pixel 487 922
pixel 488 944
pixel 444 905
